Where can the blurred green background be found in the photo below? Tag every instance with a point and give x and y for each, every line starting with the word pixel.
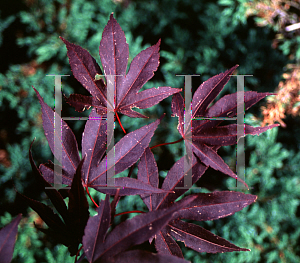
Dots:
pixel 197 37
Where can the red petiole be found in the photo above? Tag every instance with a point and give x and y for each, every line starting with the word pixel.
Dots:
pixel 166 143
pixel 120 122
pixel 123 213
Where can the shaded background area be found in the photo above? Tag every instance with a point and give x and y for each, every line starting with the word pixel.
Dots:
pixel 197 37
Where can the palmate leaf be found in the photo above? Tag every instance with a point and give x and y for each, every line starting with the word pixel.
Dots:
pixel 127 152
pixel 131 232
pixel 164 221
pixel 114 54
pixel 94 171
pixel 173 183
pixel 206 134
pixel 205 207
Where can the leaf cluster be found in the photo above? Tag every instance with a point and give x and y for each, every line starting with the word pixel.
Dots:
pixel 203 136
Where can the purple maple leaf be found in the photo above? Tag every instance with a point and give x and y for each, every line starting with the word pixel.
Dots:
pixel 204 137
pixel 114 57
pixel 204 207
pixel 119 92
pixel 94 171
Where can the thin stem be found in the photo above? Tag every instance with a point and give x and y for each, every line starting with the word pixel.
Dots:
pixel 166 143
pixel 120 123
pixel 129 212
pixel 130 171
pixel 77 254
pixel 88 192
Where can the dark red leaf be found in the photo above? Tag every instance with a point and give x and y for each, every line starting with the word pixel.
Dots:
pixel 78 209
pixel 94 142
pixel 141 70
pixel 210 158
pixel 215 205
pixel 146 99
pixel 141 256
pixel 68 156
pixel 208 91
pixel 137 230
pixel 85 69
pixel 175 179
pixel 148 173
pixel 114 54
pixel 203 137
pixel 227 107
pixel 200 239
pixel 95 230
pixel 127 186
pixel 55 197
pixel 8 236
pixel 82 102
pixel 47 170
pixel 165 244
pixel 45 212
pixel 127 152
pixel 205 134
pixel 69 233
pixel 227 135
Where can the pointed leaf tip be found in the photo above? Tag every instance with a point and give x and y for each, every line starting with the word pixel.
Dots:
pixel 8 239
pixel 137 230
pixel 95 230
pixel 201 239
pixel 68 156
pixel 114 55
pixel 53 194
